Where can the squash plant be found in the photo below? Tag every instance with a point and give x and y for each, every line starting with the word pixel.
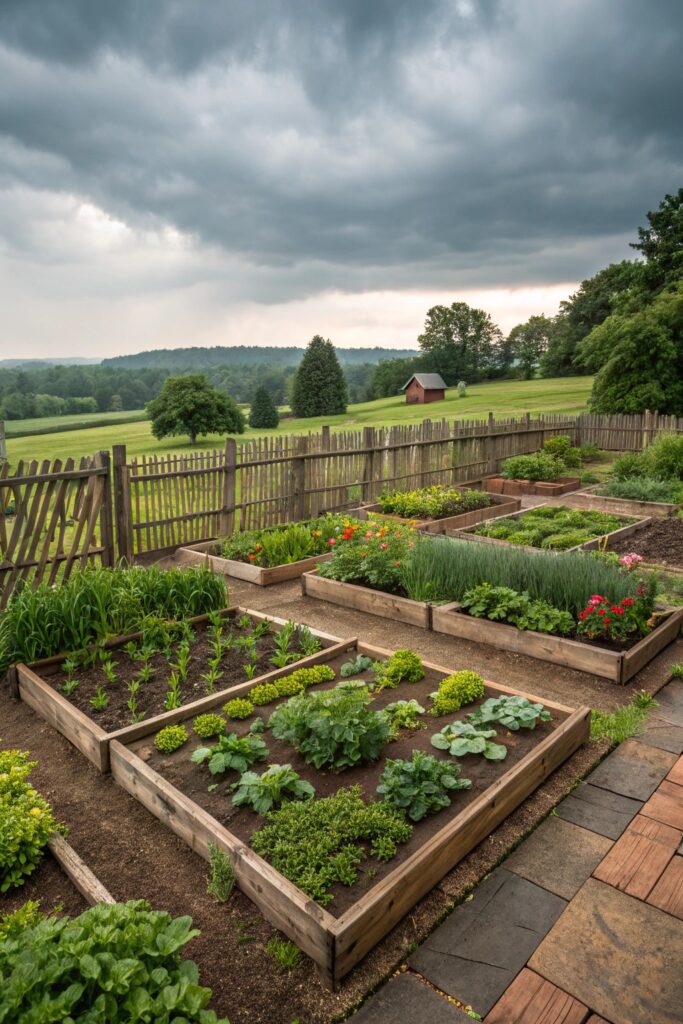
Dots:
pixel 513 712
pixel 420 786
pixel 278 783
pixel 461 738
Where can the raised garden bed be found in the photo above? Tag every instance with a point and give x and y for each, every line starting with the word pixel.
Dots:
pixel 48 884
pixel 500 506
pixel 91 731
pixel 588 497
pixel 337 937
pixel 661 542
pixel 545 488
pixel 365 599
pixel 618 666
pixel 630 526
pixel 262 576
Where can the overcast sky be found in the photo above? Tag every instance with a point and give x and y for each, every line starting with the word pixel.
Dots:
pixel 175 172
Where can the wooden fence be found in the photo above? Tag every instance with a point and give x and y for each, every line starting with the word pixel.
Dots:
pixel 54 516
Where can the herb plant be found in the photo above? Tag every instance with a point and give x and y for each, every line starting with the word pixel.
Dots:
pixel 263 792
pixel 231 753
pixel 334 728
pixel 320 842
pixel 171 738
pixel 455 691
pixel 513 712
pixel 221 880
pixel 461 738
pixel 420 786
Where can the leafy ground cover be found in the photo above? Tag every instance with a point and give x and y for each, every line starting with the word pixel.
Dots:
pixel 556 528
pixel 435 502
pixel 282 545
pixel 341 783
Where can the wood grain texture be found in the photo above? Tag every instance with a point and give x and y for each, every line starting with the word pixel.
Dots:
pixel 374 602
pixel 78 871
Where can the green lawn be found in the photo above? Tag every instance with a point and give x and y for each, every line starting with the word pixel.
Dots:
pixel 503 398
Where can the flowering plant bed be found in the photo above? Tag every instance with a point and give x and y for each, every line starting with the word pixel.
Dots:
pixel 555 528
pixel 337 904
pixel 607 661
pixel 114 688
pixel 272 555
pixel 496 505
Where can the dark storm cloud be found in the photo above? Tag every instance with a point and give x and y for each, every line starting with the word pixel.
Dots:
pixel 357 144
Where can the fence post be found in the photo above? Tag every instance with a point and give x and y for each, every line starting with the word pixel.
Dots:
pixel 367 490
pixel 298 477
pixel 122 509
pixel 325 439
pixel 106 527
pixel 3 443
pixel 489 454
pixel 226 517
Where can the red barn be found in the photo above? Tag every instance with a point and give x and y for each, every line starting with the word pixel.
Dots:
pixel 423 388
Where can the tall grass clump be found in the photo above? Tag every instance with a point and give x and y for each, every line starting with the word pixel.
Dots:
pixel 441 569
pixel 96 603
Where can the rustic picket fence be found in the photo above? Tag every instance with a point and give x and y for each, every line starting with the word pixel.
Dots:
pixel 54 516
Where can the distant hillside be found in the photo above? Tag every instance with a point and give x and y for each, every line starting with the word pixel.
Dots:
pixel 32 364
pixel 244 355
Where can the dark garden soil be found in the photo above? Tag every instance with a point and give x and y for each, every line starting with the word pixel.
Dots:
pixel 50 886
pixel 193 780
pixel 660 541
pixel 152 694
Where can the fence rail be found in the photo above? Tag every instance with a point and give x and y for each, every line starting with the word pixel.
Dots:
pixel 54 516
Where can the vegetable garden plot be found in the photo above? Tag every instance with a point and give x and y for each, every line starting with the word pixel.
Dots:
pixel 554 528
pixel 590 497
pixel 263 577
pixel 498 505
pixel 545 488
pixel 149 677
pixel 366 599
pixel 337 918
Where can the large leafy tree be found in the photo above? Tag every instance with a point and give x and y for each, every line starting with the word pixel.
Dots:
pixel 319 386
pixel 463 342
pixel 189 405
pixel 662 242
pixel 527 343
pixel 263 412
pixel 639 358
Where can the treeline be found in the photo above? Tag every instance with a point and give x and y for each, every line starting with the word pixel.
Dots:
pixel 200 359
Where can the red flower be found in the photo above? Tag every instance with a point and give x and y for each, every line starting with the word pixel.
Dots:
pixel 627 602
pixel 582 615
pixel 601 611
pixel 607 622
pixel 251 557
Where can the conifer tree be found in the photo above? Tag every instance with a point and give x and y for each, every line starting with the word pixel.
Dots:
pixel 263 412
pixel 320 386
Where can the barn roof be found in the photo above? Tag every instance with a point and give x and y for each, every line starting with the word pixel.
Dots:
pixel 429 381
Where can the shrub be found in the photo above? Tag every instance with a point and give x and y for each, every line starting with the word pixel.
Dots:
pixel 332 728
pixel 318 843
pixel 278 783
pixel 238 708
pixel 403 666
pixel 457 690
pixel 560 446
pixel 232 753
pixel 433 502
pixel 117 963
pixel 513 712
pixel 26 820
pixel 662 460
pixel 170 738
pixel 502 604
pixel 420 786
pixel 208 725
pixel 461 738
pixel 539 466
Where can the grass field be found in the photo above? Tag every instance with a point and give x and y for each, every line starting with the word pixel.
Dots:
pixel 503 398
pixel 72 422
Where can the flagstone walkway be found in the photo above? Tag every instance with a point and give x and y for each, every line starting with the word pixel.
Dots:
pixel 583 923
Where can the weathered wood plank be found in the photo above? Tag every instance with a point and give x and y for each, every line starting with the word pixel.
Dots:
pixel 78 871
pixel 400 609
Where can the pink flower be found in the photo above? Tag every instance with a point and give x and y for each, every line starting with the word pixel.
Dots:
pixel 331 542
pixel 384 547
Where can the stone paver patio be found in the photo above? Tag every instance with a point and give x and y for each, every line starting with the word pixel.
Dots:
pixel 583 923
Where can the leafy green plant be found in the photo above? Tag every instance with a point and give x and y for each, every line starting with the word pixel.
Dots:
pixel 173 697
pixel 278 783
pixel 115 962
pixel 644 488
pixel 502 604
pixel 461 738
pixel 26 820
pixel 403 666
pixel 420 786
pixel 282 643
pixel 221 879
pixel 320 842
pixel 334 728
pixel 561 447
pixel 171 738
pixel 513 712
pixel 258 725
pixel 676 671
pixel 552 527
pixel 69 685
pixel 26 916
pixel 264 693
pixel 310 644
pixel 404 714
pixel 213 676
pixel 455 691
pixel 208 725
pixel 433 502
pixel 539 466
pixel 231 753
pixel 286 955
pixel 355 666
pixel 290 685
pixel 238 708
pixel 101 699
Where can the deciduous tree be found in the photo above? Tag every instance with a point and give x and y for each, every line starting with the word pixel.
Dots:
pixel 189 405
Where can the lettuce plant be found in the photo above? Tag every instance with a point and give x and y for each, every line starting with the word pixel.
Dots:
pixel 263 792
pixel 232 753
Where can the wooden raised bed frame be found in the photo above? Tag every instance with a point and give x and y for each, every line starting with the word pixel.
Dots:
pixel 336 944
pixel 501 505
pixel 78 871
pixel 623 531
pixel 546 488
pixel 90 738
pixel 200 554
pixel 365 599
pixel 617 666
pixel 588 498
